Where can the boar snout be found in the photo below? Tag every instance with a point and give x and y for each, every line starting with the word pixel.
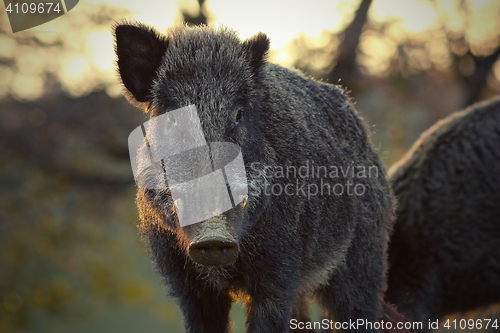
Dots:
pixel 214 251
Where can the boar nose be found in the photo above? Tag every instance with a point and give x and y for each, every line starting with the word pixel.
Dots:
pixel 214 251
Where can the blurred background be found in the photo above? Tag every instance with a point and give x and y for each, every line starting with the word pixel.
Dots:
pixel 71 259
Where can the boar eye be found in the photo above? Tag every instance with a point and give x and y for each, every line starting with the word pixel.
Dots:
pixel 236 120
pixel 239 115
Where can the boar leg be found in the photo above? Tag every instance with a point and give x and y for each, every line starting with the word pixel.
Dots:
pixel 354 290
pixel 206 312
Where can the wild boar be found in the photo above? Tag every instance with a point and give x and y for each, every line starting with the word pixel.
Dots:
pixel 319 208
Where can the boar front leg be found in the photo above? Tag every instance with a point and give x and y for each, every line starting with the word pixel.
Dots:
pixel 206 311
pixel 272 298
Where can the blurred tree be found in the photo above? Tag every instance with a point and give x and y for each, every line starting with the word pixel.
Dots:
pixel 475 80
pixel 472 65
pixel 33 64
pixel 199 18
pixel 402 80
pixel 350 55
pixel 346 69
pixel 454 52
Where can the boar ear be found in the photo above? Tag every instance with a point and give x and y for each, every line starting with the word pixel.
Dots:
pixel 257 48
pixel 140 50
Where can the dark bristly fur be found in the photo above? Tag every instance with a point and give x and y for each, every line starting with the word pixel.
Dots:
pixel 444 254
pixel 290 246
